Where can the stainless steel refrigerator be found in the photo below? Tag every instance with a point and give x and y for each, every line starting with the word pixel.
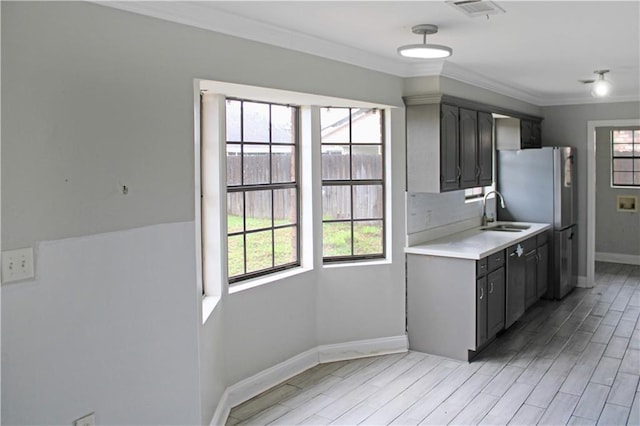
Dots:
pixel 537 185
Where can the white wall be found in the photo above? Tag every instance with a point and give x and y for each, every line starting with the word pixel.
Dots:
pixel 0 203
pixel 97 98
pixel 567 126
pixel 107 326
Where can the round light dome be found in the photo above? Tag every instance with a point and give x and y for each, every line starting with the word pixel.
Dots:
pixel 425 51
pixel 601 88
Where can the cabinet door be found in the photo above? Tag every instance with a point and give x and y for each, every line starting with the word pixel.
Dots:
pixel 536 135
pixel 485 148
pixel 515 284
pixel 481 311
pixel 469 148
pixel 449 148
pixel 495 302
pixel 526 133
pixel 543 269
pixel 531 281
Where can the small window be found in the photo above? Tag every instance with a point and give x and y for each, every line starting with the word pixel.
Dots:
pixel 262 188
pixel 353 186
pixel 471 194
pixel 625 158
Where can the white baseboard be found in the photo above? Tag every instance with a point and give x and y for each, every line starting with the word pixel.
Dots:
pixel 583 282
pixel 222 410
pixel 266 379
pixel 363 348
pixel 628 259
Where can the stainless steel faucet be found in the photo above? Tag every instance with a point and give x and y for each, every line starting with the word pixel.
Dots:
pixel 484 205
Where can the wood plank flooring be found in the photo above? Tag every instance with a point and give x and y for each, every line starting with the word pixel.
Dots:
pixel 571 362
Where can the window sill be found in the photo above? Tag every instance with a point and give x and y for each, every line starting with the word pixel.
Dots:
pixel 473 200
pixel 256 282
pixel 357 263
pixel 209 304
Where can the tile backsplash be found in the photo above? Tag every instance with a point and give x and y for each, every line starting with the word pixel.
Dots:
pixel 427 211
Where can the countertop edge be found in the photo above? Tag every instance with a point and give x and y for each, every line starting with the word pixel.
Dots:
pixel 430 248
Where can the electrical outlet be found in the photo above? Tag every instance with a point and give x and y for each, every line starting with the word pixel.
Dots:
pixel 17 265
pixel 88 420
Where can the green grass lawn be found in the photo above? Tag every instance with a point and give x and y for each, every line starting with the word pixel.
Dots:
pixel 261 245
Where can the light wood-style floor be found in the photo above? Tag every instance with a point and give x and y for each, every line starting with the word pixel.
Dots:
pixel 571 362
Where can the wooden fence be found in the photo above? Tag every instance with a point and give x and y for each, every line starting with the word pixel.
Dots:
pixel 336 203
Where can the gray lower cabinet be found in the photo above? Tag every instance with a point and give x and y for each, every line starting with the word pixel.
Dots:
pixel 515 284
pixel 490 300
pixel 448 315
pixel 481 311
pixel 531 277
pixel 526 277
pixel 495 301
pixel 543 269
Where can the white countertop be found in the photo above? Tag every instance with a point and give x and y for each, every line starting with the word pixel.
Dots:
pixel 476 243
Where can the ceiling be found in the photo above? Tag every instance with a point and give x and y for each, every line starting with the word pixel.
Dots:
pixel 536 51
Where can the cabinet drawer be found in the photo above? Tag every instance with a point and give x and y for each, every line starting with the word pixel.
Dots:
pixel 495 261
pixel 481 267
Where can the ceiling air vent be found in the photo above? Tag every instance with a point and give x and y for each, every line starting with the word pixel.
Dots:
pixel 473 8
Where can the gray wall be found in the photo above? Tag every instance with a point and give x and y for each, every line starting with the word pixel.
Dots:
pixel 616 232
pixel 95 98
pixel 567 125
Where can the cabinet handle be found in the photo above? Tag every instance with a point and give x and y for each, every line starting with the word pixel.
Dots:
pixel 490 288
pixel 481 293
pixel 512 254
pixel 459 172
pixel 478 171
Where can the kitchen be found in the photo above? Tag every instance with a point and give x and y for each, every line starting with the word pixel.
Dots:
pixel 144 330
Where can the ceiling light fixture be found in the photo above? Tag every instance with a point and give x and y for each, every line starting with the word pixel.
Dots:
pixel 424 50
pixel 601 87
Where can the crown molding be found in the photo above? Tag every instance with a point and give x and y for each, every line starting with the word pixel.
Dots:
pixel 197 15
pixel 464 75
pixel 587 99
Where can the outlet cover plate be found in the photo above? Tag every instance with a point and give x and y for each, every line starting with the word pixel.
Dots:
pixel 88 420
pixel 17 265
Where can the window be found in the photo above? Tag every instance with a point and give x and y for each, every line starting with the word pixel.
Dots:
pixel 353 187
pixel 625 158
pixel 262 188
pixel 471 194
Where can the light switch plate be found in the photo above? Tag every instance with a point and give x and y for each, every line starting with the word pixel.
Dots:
pixel 17 265
pixel 88 420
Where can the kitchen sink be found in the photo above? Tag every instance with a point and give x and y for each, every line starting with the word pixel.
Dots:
pixel 506 227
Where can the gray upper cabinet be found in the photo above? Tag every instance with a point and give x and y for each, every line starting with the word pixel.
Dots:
pixel 485 148
pixel 469 168
pixel 542 269
pixel 518 133
pixel 450 141
pixel 448 147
